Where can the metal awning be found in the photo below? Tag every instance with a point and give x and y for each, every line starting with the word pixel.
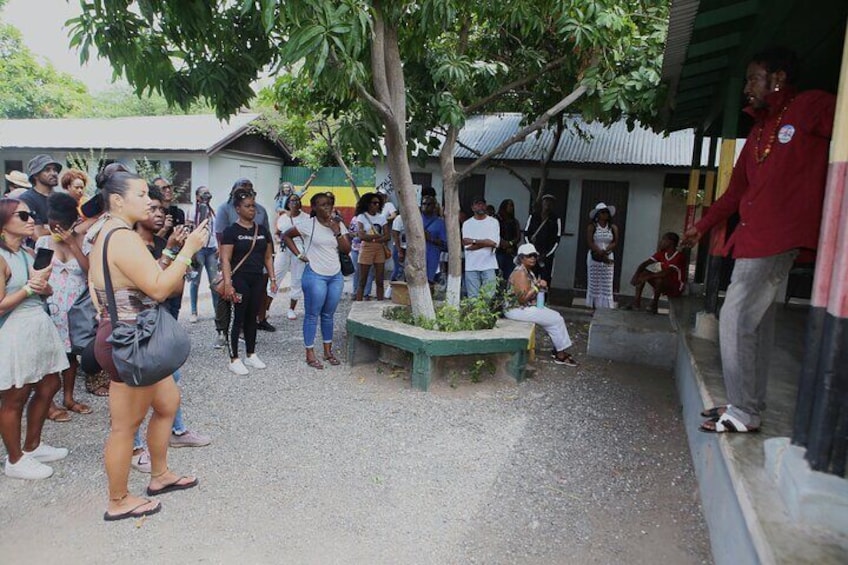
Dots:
pixel 710 43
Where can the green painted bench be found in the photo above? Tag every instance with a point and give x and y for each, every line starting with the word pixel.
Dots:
pixel 367 329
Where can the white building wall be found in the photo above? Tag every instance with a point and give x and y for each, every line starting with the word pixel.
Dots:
pixel 644 209
pixel 225 168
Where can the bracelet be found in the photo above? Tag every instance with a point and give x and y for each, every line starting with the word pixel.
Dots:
pixel 301 256
pixel 169 254
pixel 183 259
pixel 29 292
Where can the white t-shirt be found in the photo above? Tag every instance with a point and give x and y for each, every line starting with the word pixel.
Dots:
pixel 285 223
pixel 368 222
pixel 481 259
pixel 388 210
pixel 320 245
pixel 398 226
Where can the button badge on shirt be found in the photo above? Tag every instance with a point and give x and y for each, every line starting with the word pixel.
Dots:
pixel 786 133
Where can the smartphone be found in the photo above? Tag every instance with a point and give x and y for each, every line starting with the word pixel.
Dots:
pixel 43 258
pixel 237 298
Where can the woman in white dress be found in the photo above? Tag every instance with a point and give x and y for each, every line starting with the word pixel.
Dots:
pixel 286 261
pixel 68 281
pixel 31 352
pixel 602 239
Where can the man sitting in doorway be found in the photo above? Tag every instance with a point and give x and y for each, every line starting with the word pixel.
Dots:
pixel 665 271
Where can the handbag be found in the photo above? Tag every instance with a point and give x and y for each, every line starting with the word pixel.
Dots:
pixel 148 349
pixel 346 262
pixel 82 322
pixel 218 283
pixel 387 252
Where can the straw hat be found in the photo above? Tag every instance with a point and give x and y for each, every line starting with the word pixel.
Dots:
pixel 19 179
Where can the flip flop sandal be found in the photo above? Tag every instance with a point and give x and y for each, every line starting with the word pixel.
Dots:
pixel 726 424
pixel 59 416
pixel 714 412
pixel 315 364
pixel 331 359
pixel 568 361
pixel 175 486
pixel 79 408
pixel 133 513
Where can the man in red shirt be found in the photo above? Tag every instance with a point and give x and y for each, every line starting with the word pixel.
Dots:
pixel 777 187
pixel 669 276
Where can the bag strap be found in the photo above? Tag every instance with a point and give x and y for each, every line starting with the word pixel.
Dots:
pixel 249 251
pixel 535 233
pixel 110 290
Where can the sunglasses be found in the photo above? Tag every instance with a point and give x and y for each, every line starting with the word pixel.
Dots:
pixel 24 215
pixel 533 255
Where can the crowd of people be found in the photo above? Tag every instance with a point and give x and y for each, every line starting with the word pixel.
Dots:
pixel 129 248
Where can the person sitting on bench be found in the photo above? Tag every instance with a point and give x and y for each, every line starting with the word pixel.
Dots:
pixel 665 271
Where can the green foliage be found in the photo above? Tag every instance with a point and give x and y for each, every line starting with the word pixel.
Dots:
pixel 121 101
pixel 480 313
pixel 30 89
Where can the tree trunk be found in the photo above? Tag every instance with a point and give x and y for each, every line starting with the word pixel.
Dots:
pixel 390 103
pixel 546 162
pixel 451 195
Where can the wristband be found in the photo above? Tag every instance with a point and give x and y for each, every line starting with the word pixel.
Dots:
pixel 29 292
pixel 301 256
pixel 183 259
pixel 169 254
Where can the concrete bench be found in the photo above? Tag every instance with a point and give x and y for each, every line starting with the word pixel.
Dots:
pixel 367 329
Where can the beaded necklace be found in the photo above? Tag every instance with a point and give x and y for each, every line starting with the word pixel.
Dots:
pixel 767 151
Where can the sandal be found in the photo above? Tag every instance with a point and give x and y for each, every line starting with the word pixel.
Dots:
pixel 58 415
pixel 331 359
pixel 176 485
pixel 314 363
pixel 714 413
pixel 134 512
pixel 102 391
pixel 726 424
pixel 566 360
pixel 78 407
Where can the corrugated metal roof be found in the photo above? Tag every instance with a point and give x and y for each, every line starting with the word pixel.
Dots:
pixel 681 22
pixel 165 133
pixel 608 145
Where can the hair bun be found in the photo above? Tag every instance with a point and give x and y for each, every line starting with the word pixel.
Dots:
pixel 106 173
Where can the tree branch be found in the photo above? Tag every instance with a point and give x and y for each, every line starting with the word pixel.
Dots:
pixel 500 164
pixel 378 58
pixel 540 122
pixel 514 84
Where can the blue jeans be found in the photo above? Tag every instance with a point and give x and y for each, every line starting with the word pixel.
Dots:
pixel 369 282
pixel 321 295
pixel 475 280
pixel 397 270
pixel 205 259
pixel 178 427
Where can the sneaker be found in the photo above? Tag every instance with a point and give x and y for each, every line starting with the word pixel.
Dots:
pixel 47 453
pixel 291 315
pixel 192 319
pixel 254 361
pixel 28 468
pixel 265 326
pixel 141 462
pixel 238 368
pixel 220 341
pixel 189 439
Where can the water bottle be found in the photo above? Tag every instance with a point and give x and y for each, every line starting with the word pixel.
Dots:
pixel 540 299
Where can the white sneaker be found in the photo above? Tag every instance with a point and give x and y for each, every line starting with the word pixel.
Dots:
pixel 238 368
pixel 254 361
pixel 141 462
pixel 220 341
pixel 192 319
pixel 47 453
pixel 27 467
pixel 291 315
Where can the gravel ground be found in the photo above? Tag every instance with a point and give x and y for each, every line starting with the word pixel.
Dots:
pixel 353 466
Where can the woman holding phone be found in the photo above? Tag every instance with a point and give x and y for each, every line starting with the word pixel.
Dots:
pixel 139 284
pixel 323 237
pixel 23 323
pixel 68 281
pixel 246 248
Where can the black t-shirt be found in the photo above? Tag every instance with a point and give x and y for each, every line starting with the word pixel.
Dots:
pixel 37 203
pixel 158 246
pixel 240 238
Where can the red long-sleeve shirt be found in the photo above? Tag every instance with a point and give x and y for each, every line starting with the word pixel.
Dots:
pixel 779 200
